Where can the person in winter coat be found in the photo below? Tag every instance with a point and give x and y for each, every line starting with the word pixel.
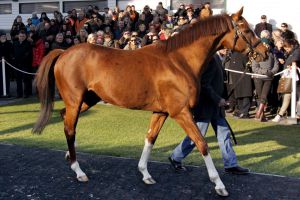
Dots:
pixel 292 48
pixel 181 11
pixel 80 21
pixel 17 26
pixel 263 84
pixel 242 92
pixel 6 52
pixel 263 25
pixel 38 51
pixel 22 57
pixel 210 110
pixel 34 19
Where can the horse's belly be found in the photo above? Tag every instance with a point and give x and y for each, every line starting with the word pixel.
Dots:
pixel 133 96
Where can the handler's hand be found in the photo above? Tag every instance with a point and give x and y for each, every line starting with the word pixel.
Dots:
pixel 222 103
pixel 270 74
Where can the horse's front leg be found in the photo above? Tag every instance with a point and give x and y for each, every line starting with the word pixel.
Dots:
pixel 185 119
pixel 157 121
pixel 214 176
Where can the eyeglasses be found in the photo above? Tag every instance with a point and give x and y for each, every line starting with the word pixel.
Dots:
pixel 134 35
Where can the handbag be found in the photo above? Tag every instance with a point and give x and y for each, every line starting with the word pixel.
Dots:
pixel 284 85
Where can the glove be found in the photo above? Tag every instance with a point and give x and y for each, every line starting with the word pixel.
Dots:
pixel 222 103
pixel 270 74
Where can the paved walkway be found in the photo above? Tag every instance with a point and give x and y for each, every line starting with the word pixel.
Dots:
pixel 33 173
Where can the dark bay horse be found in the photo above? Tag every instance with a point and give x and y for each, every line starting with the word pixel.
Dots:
pixel 162 78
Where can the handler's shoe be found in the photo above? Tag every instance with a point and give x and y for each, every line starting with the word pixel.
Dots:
pixel 237 170
pixel 177 165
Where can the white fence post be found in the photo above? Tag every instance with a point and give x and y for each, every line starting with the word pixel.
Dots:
pixel 3 76
pixel 293 98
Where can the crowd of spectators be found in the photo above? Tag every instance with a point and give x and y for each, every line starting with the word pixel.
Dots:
pixel 263 89
pixel 124 29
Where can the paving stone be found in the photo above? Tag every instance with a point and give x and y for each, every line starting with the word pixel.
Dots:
pixel 35 173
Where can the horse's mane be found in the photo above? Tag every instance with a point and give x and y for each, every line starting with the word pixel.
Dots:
pixel 210 26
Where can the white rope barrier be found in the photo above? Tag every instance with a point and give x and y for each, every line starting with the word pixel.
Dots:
pixel 293 70
pixel 252 74
pixel 19 69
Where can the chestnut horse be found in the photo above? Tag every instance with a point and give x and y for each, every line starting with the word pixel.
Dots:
pixel 162 78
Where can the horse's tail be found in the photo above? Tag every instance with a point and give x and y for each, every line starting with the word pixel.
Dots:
pixel 45 84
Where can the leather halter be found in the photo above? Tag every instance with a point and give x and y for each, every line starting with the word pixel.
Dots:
pixel 252 54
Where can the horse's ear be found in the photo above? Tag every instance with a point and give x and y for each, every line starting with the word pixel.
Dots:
pixel 238 14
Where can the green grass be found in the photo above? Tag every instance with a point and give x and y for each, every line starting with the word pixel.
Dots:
pixel 109 130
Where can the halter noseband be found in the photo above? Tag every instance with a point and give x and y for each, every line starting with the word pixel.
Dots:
pixel 252 54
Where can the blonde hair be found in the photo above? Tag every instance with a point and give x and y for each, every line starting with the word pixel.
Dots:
pixel 92 38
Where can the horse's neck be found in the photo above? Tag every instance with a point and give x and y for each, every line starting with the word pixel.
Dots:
pixel 197 54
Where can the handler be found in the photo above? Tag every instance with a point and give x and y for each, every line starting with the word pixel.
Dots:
pixel 210 109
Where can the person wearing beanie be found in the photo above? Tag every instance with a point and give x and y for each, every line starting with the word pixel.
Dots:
pixel 263 84
pixel 34 19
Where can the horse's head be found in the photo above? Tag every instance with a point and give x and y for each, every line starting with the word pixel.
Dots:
pixel 242 39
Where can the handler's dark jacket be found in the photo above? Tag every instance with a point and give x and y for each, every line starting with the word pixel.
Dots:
pixel 212 87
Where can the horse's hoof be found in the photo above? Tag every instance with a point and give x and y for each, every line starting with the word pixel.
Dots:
pixel 149 181
pixel 222 192
pixel 82 179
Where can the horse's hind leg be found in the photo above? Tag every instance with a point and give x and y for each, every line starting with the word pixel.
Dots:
pixel 89 100
pixel 157 121
pixel 70 121
pixel 186 121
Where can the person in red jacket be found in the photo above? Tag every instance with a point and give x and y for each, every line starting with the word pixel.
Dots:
pixel 79 23
pixel 38 51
